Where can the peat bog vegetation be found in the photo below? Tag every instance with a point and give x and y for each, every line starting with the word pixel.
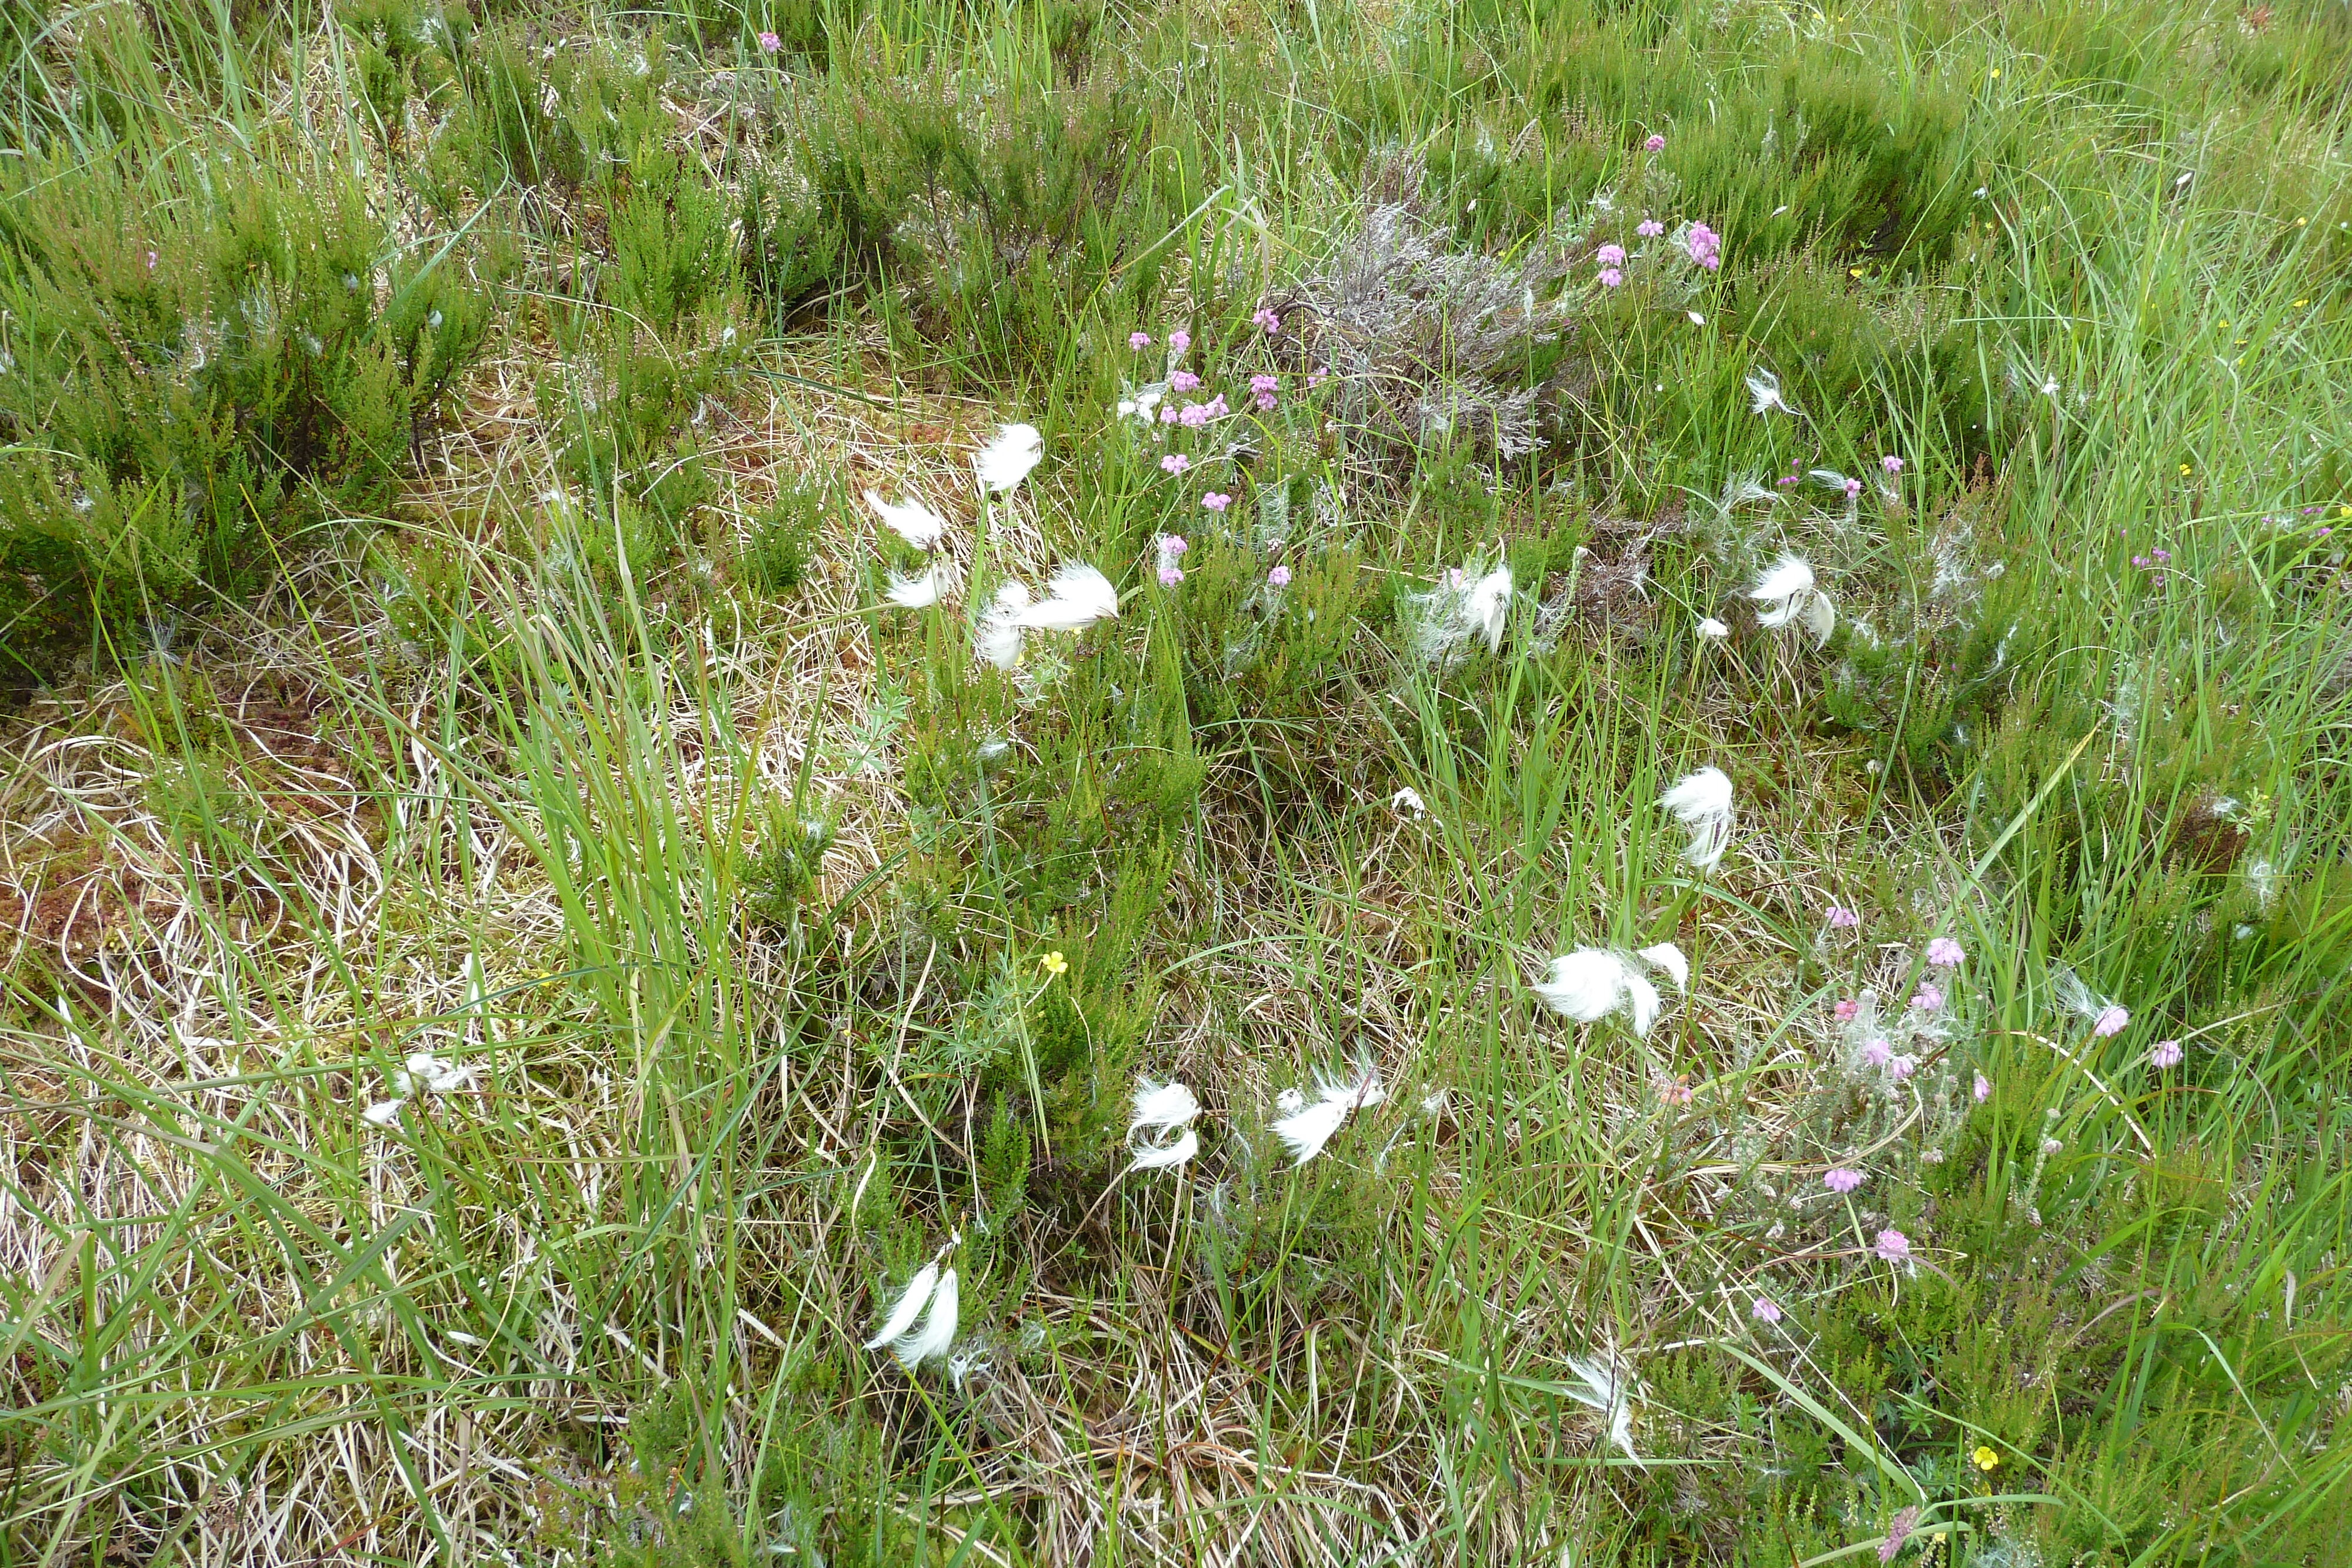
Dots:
pixel 1356 782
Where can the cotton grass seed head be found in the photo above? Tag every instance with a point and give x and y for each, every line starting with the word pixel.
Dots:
pixel 1005 461
pixel 1701 802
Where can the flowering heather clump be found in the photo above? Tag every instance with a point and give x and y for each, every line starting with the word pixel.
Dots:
pixel 1841 1180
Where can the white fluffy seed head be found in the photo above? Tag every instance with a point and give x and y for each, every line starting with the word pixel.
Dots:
pixel 1668 960
pixel 1161 1106
pixel 1167 1156
pixel 910 520
pixel 1788 596
pixel 1076 597
pixel 1764 393
pixel 1586 985
pixel 1590 983
pixel 1489 605
pixel 997 636
pixel 1701 802
pixel 922 591
pixel 911 1303
pixel 1004 461
pixel 937 1334
pixel 1304 1133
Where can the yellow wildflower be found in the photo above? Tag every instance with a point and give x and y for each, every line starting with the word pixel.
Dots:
pixel 1054 963
pixel 1984 1458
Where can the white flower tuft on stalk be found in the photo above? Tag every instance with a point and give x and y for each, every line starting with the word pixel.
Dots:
pixel 1610 1387
pixel 1788 595
pixel 1590 983
pixel 997 635
pixel 1161 1109
pixel 922 591
pixel 1701 802
pixel 1309 1126
pixel 936 1335
pixel 1076 597
pixel 914 1344
pixel 910 520
pixel 1004 461
pixel 1764 394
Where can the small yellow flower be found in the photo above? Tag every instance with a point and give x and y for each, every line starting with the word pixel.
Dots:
pixel 1996 73
pixel 1985 1459
pixel 2300 221
pixel 2342 511
pixel 2185 470
pixel 1854 272
pixel 2300 303
pixel 1054 963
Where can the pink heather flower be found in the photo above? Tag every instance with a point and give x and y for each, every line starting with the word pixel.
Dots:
pixel 1943 952
pixel 769 43
pixel 1264 401
pixel 1610 255
pixel 1764 1310
pixel 1891 463
pixel 1180 340
pixel 1265 321
pixel 1168 414
pixel 2165 1054
pixel 151 261
pixel 1852 488
pixel 1656 143
pixel 1175 463
pixel 1927 997
pixel 1169 576
pixel 1983 1090
pixel 1279 576
pixel 1217 409
pixel 1315 378
pixel 1706 246
pixel 1611 277
pixel 1216 500
pixel 1894 1247
pixel 1649 228
pixel 1901 1067
pixel 1182 381
pixel 1174 545
pixel 1193 415
pixel 1263 384
pixel 2110 1021
pixel 1846 1010
pixel 1877 1053
pixel 1841 1180
pixel 1139 339
pixel 1844 919
pixel 2050 1147
pixel 1899 1528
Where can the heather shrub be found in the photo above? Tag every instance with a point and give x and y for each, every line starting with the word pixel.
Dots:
pixel 197 372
